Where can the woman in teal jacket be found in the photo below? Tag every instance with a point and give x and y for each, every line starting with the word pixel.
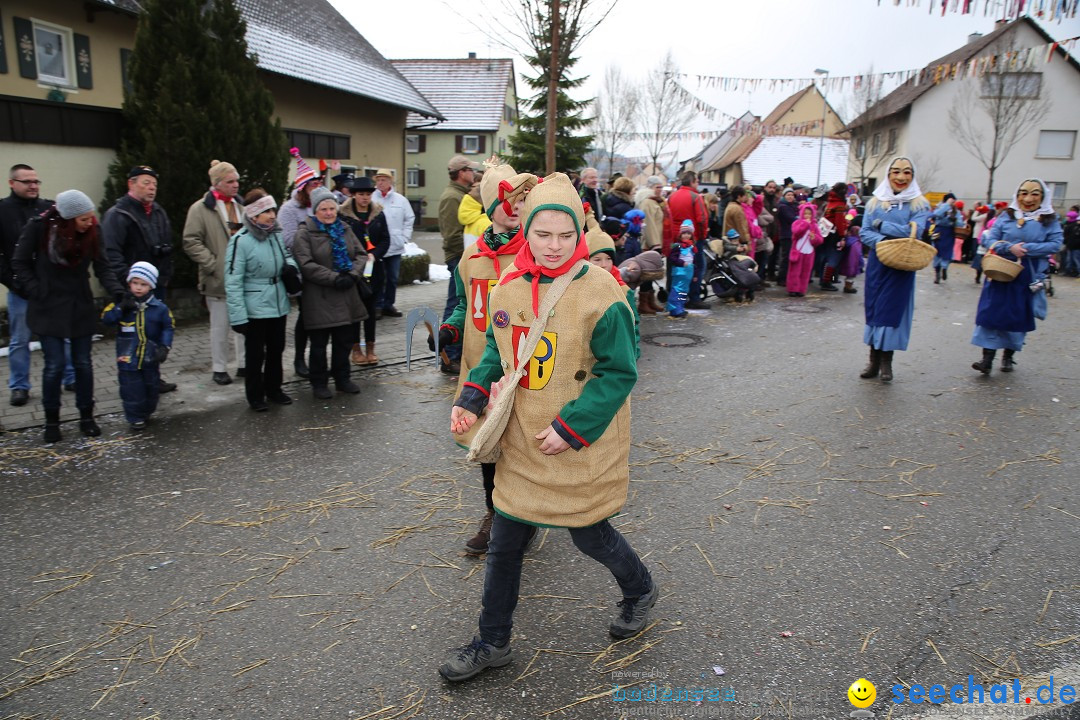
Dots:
pixel 257 299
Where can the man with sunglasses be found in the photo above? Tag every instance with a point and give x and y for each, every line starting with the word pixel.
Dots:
pixel 16 209
pixel 137 229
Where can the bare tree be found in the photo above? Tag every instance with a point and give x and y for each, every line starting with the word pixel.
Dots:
pixel 927 169
pixel 870 119
pixel 615 111
pixel 990 114
pixel 664 112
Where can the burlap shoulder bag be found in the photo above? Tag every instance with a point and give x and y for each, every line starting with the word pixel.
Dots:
pixel 485 445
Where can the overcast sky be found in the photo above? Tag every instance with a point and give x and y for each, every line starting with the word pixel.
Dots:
pixel 779 38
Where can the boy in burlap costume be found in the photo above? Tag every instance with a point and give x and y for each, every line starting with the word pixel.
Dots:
pixel 502 192
pixel 566 447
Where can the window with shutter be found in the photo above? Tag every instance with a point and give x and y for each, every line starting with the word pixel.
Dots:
pixel 470 144
pixel 54 54
pixel 412 143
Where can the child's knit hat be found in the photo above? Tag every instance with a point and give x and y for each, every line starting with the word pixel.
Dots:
pixel 732 234
pixel 304 173
pixel 501 183
pixel 687 227
pixel 144 271
pixel 1071 216
pixel 598 240
pixel 555 192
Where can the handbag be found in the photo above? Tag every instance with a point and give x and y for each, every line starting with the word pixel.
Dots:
pixel 290 276
pixel 485 446
pixel 364 288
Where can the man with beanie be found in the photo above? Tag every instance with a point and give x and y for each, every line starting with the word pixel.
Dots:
pixel 143 340
pixel 502 193
pixel 137 229
pixel 400 219
pixel 462 171
pixel 211 221
pixel 564 458
pixel 16 209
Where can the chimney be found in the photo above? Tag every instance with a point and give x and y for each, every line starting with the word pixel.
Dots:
pixel 472 56
pixel 973 37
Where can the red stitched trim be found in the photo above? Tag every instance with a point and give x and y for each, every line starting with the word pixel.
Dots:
pixel 571 431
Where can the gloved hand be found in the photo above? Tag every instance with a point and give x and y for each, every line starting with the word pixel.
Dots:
pixel 161 354
pixel 129 304
pixel 241 328
pixel 344 281
pixel 446 337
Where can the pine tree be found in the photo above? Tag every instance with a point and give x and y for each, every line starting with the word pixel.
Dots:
pixel 527 144
pixel 195 96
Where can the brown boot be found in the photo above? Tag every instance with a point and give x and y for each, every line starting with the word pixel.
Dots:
pixel 372 358
pixel 478 544
pixel 357 356
pixel 872 370
pixel 886 365
pixel 645 303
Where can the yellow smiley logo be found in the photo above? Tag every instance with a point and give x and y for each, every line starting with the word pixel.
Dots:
pixel 862 693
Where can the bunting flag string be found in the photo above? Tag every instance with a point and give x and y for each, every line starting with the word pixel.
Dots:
pixel 1013 60
pixel 1003 9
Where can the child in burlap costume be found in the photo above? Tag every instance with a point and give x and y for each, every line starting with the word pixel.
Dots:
pixel 502 192
pixel 565 451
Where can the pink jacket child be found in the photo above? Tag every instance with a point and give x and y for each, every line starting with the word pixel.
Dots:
pixel 804 238
pixel 751 213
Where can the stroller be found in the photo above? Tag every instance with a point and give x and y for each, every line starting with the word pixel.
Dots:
pixel 728 277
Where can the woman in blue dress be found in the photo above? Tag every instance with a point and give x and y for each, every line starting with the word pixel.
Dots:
pixel 890 293
pixel 1028 230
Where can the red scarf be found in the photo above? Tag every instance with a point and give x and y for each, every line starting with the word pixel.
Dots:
pixel 510 248
pixel 221 197
pixel 148 207
pixel 526 264
pixel 618 276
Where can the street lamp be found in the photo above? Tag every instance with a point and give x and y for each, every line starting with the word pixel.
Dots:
pixel 824 109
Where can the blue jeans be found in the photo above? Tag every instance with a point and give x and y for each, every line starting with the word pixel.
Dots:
pixel 392 268
pixel 452 351
pixel 55 350
pixel 19 347
pixel 502 580
pixel 139 392
pixel 1072 261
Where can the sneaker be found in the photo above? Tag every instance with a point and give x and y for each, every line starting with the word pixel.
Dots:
pixel 222 378
pixel 451 368
pixel 138 426
pixel 259 406
pixel 322 392
pixel 20 397
pixel 165 387
pixel 828 288
pixel 633 614
pixel 279 398
pixel 478 543
pixel 469 661
pixel 391 312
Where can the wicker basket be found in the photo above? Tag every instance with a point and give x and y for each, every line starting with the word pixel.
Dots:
pixel 999 269
pixel 908 253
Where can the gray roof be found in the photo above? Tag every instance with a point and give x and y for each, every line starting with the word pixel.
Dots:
pixel 289 36
pixel 469 92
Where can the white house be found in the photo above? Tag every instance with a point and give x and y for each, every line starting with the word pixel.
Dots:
pixel 913 120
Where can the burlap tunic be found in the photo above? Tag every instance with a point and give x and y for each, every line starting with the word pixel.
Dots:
pixel 575 488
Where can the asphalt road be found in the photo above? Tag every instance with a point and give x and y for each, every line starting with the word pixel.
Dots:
pixel 807 529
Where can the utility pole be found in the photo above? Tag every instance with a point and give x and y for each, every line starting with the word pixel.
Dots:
pixel 553 89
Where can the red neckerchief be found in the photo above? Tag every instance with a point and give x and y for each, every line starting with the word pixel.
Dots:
pixel 618 276
pixel 526 264
pixel 147 207
pixel 510 248
pixel 221 197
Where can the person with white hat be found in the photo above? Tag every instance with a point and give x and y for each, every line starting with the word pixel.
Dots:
pixel 51 266
pixel 400 219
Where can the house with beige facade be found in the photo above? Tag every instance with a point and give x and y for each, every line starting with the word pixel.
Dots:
pixel 913 120
pixel 62 77
pixel 478 98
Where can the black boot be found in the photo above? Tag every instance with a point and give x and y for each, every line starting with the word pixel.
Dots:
pixel 937 276
pixel 886 365
pixel 87 426
pixel 1007 361
pixel 300 367
pixel 52 426
pixel 978 276
pixel 945 273
pixel 871 370
pixel 986 363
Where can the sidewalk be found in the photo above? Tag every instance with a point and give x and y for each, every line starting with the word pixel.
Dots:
pixel 189 367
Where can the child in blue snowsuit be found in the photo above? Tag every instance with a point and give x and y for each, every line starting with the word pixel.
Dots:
pixel 681 260
pixel 142 343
